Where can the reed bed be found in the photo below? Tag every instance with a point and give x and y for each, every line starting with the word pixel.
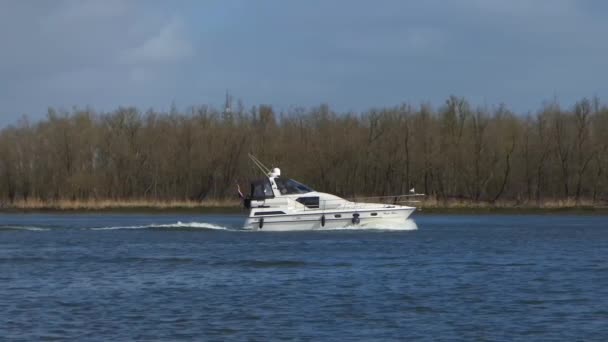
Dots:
pixel 428 203
pixel 110 204
pixel 548 205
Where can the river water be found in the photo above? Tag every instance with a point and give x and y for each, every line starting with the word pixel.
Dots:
pixel 197 277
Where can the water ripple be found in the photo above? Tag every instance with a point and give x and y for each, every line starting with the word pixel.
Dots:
pixel 455 278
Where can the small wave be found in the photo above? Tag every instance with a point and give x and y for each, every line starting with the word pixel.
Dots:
pixel 280 263
pixel 179 224
pixel 29 228
pixel 25 259
pixel 156 259
pixel 272 263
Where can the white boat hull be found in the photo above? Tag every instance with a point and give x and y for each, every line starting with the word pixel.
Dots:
pixel 324 220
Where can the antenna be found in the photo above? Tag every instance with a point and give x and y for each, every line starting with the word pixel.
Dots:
pixel 259 164
pixel 228 103
pixel 227 114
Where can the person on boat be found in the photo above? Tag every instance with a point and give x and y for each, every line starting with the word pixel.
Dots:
pixel 239 193
pixel 281 187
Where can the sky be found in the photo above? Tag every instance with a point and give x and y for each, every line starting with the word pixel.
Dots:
pixel 351 54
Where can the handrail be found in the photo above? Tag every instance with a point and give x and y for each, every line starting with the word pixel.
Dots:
pixel 391 196
pixel 350 204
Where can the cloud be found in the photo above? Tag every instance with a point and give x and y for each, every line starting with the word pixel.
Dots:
pixel 69 51
pixel 85 34
pixel 525 7
pixel 350 53
pixel 535 16
pixel 168 45
pixel 423 38
pixel 412 41
pixel 71 11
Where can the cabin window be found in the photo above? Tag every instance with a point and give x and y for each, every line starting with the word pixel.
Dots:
pixel 290 187
pixel 337 216
pixel 261 190
pixel 262 213
pixel 309 202
pixel 374 214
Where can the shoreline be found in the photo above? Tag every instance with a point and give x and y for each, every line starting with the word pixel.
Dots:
pixel 234 210
pixel 122 210
pixel 514 211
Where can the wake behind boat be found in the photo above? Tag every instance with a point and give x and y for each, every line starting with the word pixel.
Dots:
pixel 282 204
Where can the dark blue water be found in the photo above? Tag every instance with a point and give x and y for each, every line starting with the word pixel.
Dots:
pixel 152 278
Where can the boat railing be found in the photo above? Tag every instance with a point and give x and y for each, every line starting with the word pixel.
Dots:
pixel 364 202
pixel 393 199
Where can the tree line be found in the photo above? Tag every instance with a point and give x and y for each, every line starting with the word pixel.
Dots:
pixel 456 151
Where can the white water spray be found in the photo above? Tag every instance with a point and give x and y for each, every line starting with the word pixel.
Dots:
pixel 179 224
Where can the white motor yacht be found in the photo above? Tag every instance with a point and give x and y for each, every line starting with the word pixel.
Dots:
pixel 282 204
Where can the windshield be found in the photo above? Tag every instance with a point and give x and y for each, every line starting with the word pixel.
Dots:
pixel 290 186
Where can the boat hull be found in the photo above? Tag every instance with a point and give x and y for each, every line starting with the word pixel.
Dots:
pixel 323 220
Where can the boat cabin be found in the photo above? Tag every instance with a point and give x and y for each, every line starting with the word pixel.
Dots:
pixel 276 186
pixel 262 189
